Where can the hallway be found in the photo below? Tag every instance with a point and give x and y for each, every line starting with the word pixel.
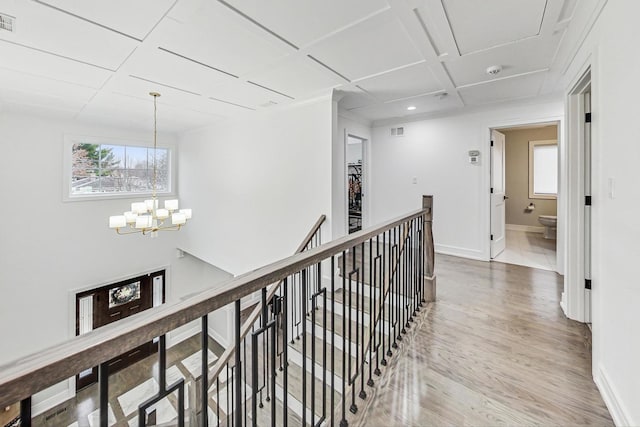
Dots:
pixel 495 349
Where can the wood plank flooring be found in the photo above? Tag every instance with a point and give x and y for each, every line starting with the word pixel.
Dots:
pixel 495 349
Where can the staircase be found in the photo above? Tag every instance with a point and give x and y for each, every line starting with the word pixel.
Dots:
pixel 333 329
pixel 329 319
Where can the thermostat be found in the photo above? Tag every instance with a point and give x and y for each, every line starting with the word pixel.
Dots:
pixel 474 156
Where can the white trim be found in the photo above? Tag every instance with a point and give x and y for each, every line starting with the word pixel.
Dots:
pixel 527 228
pixel 175 339
pixel 620 416
pixel 70 139
pixel 55 400
pixel 219 338
pixel 460 252
pixel 574 178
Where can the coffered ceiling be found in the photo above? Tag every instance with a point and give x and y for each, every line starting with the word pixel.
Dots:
pixel 96 60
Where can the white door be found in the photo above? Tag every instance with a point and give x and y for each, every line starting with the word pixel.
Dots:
pixel 498 240
pixel 587 207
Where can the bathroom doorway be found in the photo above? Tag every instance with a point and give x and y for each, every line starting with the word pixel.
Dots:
pixel 530 195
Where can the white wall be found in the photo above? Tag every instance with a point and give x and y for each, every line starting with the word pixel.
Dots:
pixel 435 153
pixel 344 124
pixel 256 185
pixel 616 228
pixel 49 247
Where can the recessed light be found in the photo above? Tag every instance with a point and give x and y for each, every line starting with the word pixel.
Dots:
pixel 411 108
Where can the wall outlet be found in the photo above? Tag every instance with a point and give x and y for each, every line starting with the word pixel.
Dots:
pixel 414 180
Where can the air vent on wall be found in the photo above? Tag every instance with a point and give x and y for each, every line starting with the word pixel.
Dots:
pixel 397 131
pixel 7 23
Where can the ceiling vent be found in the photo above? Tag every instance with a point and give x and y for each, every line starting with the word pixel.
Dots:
pixel 7 23
pixel 397 131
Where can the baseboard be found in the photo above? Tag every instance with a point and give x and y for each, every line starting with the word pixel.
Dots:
pixel 55 400
pixel 529 228
pixel 187 333
pixel 219 338
pixel 610 397
pixel 460 252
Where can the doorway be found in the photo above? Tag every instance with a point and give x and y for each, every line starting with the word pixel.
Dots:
pixel 354 157
pixel 524 181
pixel 107 304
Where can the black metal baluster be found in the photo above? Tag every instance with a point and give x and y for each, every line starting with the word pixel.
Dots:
pixel 103 378
pixel 378 303
pixel 218 396
pixel 272 394
pixel 386 255
pixel 343 421
pixel 237 411
pixel 362 393
pixel 25 410
pixel 372 310
pixel 333 331
pixel 313 359
pixel 285 348
pixel 354 408
pixel 324 357
pixel 304 347
pixel 204 338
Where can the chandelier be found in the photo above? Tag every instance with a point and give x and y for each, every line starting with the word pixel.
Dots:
pixel 146 217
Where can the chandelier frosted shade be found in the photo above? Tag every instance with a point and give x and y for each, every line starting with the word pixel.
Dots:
pixel 147 217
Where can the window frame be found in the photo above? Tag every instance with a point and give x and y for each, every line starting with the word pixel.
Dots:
pixel 532 194
pixel 71 139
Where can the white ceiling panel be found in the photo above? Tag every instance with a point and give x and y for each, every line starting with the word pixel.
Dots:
pixel 298 76
pixel 169 69
pixel 47 88
pixel 503 90
pixel 135 18
pixel 109 108
pixel 46 29
pixel 13 98
pixel 301 22
pixel 219 38
pixel 517 58
pixel 247 94
pixel 410 81
pixel 478 25
pixel 353 97
pixel 51 66
pixel 424 104
pixel 371 47
pixel 138 90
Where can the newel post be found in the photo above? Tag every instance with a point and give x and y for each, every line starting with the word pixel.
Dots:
pixel 429 277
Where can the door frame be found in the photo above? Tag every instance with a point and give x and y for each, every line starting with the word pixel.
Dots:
pixel 493 193
pixel 573 298
pixel 500 125
pixel 365 180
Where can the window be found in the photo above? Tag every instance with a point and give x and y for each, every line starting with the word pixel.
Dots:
pixel 107 168
pixel 543 169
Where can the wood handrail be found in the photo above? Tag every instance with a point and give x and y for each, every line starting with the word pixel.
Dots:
pixel 24 377
pixel 255 314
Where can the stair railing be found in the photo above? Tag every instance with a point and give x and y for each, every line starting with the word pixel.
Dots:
pixel 334 309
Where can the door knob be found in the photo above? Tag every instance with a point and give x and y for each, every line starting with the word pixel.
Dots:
pixel 506 197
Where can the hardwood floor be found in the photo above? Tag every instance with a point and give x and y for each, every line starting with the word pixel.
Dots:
pixel 495 349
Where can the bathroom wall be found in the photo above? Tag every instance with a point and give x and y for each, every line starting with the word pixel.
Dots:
pixel 517 176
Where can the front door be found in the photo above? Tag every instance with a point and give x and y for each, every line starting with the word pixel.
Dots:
pixel 498 240
pixel 114 302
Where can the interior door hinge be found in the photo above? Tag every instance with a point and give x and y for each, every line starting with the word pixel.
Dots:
pixel 492 143
pixel 492 237
pixel 587 283
pixel 587 118
pixel 587 200
pixel 491 189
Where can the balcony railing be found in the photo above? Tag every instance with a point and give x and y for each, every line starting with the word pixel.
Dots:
pixel 328 320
